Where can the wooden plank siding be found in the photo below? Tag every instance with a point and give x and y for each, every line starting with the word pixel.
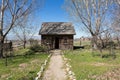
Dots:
pixel 57 35
pixel 64 41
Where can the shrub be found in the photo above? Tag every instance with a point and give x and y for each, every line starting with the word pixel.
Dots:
pixel 87 46
pixel 33 42
pixel 38 48
pixel 30 52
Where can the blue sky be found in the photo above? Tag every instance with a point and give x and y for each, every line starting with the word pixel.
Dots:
pixel 53 11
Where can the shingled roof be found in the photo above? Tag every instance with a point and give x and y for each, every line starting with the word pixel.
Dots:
pixel 57 28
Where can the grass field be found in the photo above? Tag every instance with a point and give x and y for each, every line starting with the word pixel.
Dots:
pixel 85 66
pixel 21 67
pixel 83 43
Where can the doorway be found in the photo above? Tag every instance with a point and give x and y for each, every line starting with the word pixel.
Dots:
pixel 56 43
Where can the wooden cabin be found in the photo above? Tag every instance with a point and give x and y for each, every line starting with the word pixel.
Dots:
pixel 57 35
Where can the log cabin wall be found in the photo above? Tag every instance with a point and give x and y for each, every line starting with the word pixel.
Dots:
pixel 57 41
pixel 66 42
pixel 57 35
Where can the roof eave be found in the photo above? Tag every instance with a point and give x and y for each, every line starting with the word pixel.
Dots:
pixel 56 34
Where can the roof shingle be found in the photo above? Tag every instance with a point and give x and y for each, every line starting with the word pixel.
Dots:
pixel 57 28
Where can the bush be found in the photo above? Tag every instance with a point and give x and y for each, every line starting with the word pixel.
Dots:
pixel 87 46
pixel 38 48
pixel 33 42
pixel 30 52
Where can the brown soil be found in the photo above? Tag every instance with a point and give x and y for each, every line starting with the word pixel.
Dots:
pixel 110 75
pixel 23 65
pixel 4 75
pixel 34 61
pixel 102 64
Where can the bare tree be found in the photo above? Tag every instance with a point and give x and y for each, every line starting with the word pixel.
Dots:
pixel 116 22
pixel 104 39
pixel 118 2
pixel 11 13
pixel 25 30
pixel 92 14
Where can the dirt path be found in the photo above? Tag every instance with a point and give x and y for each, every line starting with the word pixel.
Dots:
pixel 55 69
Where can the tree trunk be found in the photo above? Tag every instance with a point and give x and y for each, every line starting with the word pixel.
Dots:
pixel 118 41
pixel 94 42
pixel 1 48
pixel 24 44
pixel 97 46
pixel 101 54
pixel 1 28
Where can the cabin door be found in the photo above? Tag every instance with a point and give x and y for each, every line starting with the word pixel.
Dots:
pixel 56 43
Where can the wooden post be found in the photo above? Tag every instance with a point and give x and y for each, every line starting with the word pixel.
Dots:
pixel 6 62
